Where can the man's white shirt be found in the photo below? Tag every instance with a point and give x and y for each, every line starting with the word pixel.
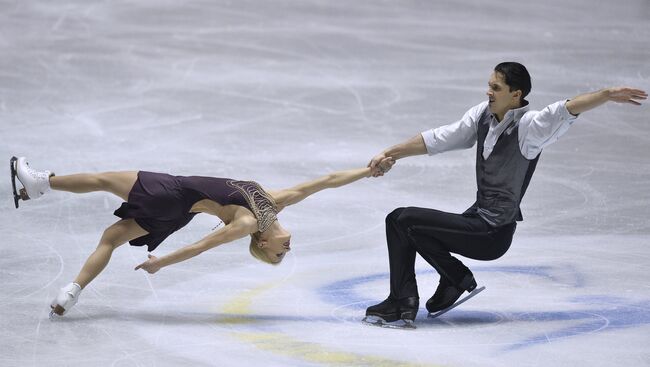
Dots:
pixel 537 129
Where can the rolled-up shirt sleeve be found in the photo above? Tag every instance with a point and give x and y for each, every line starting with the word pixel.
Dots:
pixel 539 129
pixel 458 135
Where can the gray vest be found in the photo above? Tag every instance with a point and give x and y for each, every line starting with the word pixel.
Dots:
pixel 501 179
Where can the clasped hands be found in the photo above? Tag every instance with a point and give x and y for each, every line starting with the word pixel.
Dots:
pixel 380 164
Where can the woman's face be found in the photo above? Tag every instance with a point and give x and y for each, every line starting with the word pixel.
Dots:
pixel 276 242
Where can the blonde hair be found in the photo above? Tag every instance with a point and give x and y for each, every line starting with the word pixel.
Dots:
pixel 257 252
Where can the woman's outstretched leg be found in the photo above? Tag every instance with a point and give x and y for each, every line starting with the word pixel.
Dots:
pixel 113 237
pixel 36 183
pixel 118 183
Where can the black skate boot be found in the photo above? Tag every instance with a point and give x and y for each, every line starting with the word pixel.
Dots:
pixel 447 294
pixel 393 313
pixel 388 310
pixel 408 309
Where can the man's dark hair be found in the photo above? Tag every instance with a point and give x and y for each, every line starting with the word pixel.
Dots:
pixel 516 77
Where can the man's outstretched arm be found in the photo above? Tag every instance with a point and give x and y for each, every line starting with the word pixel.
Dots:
pixel 458 135
pixel 410 147
pixel 588 101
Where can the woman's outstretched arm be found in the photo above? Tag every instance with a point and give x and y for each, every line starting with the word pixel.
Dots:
pixel 336 179
pixel 235 230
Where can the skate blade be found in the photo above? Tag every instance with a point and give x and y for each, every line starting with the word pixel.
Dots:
pixel 12 168
pixel 22 193
pixel 378 321
pixel 457 303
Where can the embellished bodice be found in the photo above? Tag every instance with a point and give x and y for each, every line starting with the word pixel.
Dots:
pixel 226 191
pixel 259 201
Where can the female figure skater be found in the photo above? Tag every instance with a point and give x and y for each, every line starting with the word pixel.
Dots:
pixel 158 204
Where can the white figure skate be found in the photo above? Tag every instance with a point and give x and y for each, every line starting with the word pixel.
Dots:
pixel 35 183
pixel 65 300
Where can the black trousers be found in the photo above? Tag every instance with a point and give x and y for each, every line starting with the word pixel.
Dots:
pixel 435 235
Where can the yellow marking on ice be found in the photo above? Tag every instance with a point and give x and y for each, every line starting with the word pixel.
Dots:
pixel 240 306
pixel 311 352
pixel 278 343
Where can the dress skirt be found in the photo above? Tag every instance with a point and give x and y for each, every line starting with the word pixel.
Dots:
pixel 158 203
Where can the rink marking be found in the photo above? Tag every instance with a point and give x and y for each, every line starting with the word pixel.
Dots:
pixel 599 313
pixel 283 344
pixel 279 343
pixel 240 306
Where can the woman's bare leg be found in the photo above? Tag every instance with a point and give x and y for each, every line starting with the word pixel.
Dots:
pixel 118 183
pixel 113 237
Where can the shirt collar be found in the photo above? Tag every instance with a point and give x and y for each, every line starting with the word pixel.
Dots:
pixel 514 114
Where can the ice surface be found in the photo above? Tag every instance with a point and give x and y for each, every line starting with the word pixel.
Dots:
pixel 284 91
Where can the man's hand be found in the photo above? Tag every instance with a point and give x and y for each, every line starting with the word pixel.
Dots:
pixel 626 95
pixel 380 164
pixel 383 161
pixel 588 101
pixel 150 266
pixel 375 161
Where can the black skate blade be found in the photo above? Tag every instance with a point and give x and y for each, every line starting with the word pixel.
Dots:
pixel 457 303
pixel 378 321
pixel 12 167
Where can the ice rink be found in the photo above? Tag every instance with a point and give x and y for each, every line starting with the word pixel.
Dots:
pixel 282 92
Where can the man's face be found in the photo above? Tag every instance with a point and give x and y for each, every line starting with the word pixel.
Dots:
pixel 500 98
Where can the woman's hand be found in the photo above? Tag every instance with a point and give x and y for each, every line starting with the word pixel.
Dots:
pixel 383 166
pixel 375 161
pixel 150 266
pixel 380 164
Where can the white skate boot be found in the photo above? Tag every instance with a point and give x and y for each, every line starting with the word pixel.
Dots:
pixel 35 183
pixel 65 300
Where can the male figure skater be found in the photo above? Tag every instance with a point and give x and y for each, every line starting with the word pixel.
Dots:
pixel 510 138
